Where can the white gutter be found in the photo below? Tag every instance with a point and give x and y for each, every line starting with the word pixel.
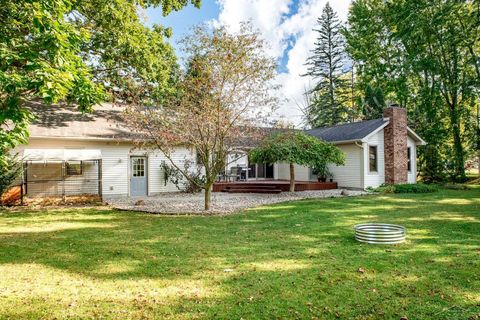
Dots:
pixel 345 141
pixel 81 138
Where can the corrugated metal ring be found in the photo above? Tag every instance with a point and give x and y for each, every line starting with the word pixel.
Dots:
pixel 380 233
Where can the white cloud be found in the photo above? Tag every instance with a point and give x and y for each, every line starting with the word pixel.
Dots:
pixel 279 26
pixel 265 15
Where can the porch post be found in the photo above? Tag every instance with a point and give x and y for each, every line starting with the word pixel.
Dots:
pixel 99 163
pixel 25 177
pixel 22 187
pixel 63 181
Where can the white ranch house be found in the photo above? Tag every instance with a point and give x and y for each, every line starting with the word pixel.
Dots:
pixel 72 153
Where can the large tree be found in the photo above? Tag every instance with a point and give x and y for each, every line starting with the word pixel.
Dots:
pixel 419 54
pixel 295 147
pixel 222 97
pixel 326 66
pixel 80 52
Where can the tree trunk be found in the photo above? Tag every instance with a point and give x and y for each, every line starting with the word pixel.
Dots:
pixel 478 136
pixel 459 161
pixel 208 196
pixel 292 177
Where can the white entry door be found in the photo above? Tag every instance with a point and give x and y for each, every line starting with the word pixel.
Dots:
pixel 138 176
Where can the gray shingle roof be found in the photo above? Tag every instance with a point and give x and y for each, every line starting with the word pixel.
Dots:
pixel 106 122
pixel 66 121
pixel 347 132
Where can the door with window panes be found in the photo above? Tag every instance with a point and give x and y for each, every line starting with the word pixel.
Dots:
pixel 138 176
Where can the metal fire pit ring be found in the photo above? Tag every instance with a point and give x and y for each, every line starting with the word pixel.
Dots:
pixel 380 233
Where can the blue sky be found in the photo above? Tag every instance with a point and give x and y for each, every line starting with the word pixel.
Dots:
pixel 182 21
pixel 285 24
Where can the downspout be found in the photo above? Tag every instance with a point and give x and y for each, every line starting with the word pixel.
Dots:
pixel 362 165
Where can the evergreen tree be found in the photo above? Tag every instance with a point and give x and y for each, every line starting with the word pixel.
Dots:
pixel 373 103
pixel 326 67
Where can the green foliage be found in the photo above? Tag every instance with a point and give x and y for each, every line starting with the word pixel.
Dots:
pixel 387 188
pixel 296 147
pixel 373 103
pixel 295 260
pixel 415 188
pixel 407 188
pixel 326 66
pixel 78 52
pixel 322 171
pixel 190 183
pixel 226 90
pixel 424 55
pixel 10 170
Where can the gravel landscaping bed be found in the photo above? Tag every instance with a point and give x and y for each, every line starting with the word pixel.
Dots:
pixel 222 203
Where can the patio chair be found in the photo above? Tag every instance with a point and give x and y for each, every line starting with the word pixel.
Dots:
pixel 221 176
pixel 235 173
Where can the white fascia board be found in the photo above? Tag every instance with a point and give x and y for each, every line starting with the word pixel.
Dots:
pixel 365 139
pixel 416 136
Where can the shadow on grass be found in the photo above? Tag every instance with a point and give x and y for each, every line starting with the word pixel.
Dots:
pixel 290 260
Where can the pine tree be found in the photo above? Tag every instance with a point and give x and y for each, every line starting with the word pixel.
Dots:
pixel 373 103
pixel 326 66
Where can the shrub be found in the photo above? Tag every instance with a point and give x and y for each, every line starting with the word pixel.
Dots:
pixel 415 188
pixel 384 189
pixel 406 188
pixel 10 170
pixel 190 185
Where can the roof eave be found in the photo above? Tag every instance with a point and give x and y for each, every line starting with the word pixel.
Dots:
pixel 371 134
pixel 345 141
pixel 420 141
pixel 81 138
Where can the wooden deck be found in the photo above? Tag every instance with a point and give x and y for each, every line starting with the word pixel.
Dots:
pixel 275 186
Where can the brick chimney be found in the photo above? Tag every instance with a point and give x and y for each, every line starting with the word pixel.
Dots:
pixel 395 140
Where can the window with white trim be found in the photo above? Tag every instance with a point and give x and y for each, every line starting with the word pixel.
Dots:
pixel 409 157
pixel 373 159
pixel 138 167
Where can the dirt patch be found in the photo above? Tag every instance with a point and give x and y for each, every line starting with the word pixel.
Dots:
pixel 78 200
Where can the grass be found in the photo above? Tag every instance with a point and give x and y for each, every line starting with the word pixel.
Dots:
pixel 295 260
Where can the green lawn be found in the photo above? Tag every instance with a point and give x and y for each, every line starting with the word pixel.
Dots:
pixel 294 260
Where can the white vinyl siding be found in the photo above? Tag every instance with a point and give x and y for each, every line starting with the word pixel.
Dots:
pixel 349 175
pixel 115 167
pixel 156 179
pixel 302 173
pixel 235 159
pixel 374 179
pixel 283 170
pixel 116 163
